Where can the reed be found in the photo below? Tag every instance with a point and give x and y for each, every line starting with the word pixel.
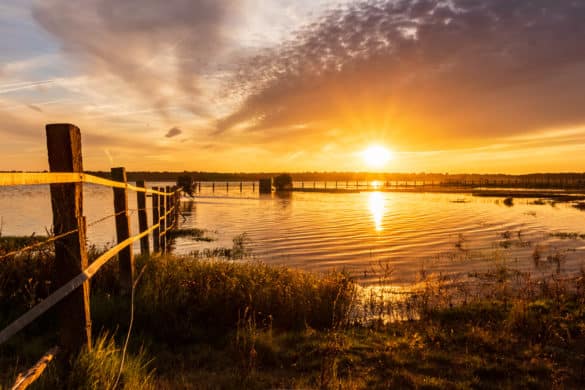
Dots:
pixel 209 323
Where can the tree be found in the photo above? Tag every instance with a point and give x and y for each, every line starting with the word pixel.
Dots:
pixel 283 182
pixel 186 183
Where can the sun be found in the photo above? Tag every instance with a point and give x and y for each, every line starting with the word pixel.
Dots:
pixel 377 156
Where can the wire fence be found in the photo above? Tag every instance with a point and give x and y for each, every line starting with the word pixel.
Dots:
pixel 69 229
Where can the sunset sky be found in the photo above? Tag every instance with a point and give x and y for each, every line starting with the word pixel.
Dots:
pixel 297 85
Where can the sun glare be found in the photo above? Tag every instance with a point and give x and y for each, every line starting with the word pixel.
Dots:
pixel 376 156
pixel 377 208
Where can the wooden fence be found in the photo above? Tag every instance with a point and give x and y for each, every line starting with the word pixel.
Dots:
pixel 71 269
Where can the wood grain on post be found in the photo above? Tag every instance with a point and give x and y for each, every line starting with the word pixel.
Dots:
pixel 162 209
pixel 64 148
pixel 142 219
pixel 125 257
pixel 155 221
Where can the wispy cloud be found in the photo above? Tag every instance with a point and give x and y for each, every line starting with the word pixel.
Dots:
pixel 34 107
pixel 19 86
pixel 422 73
pixel 156 48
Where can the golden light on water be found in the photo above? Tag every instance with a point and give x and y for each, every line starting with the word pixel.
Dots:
pixel 377 206
pixel 377 156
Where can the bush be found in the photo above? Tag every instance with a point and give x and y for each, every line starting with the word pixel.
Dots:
pixel 283 182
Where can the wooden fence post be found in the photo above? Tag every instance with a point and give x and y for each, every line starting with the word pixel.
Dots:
pixel 163 226
pixel 168 207
pixel 142 219
pixel 125 257
pixel 155 220
pixel 64 149
pixel 177 201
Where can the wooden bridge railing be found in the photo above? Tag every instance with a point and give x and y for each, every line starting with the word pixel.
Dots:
pixel 71 270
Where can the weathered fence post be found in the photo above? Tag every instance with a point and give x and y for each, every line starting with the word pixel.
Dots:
pixel 125 257
pixel 169 204
pixel 177 200
pixel 64 149
pixel 142 219
pixel 155 221
pixel 163 226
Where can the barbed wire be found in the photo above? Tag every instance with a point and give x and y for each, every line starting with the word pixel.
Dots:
pixel 52 238
pixel 104 218
pixel 37 244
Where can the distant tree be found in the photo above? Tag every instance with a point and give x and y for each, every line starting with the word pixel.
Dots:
pixel 283 182
pixel 186 184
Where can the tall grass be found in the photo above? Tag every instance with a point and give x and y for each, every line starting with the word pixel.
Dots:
pixel 100 369
pixel 209 323
pixel 213 295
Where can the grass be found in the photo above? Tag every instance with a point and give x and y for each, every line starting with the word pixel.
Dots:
pixel 568 235
pixel 100 369
pixel 193 234
pixel 207 323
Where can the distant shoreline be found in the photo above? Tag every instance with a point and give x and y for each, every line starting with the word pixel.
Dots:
pixel 472 178
pixel 446 178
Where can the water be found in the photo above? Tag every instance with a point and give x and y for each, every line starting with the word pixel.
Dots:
pixel 358 232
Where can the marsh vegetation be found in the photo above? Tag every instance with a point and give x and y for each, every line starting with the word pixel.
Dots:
pixel 215 323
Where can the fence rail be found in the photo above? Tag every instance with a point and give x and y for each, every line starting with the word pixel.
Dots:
pixel 34 178
pixel 72 270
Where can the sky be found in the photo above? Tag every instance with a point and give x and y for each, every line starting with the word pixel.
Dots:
pixel 458 86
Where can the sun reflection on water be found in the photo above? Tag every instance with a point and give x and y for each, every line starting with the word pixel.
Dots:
pixel 377 206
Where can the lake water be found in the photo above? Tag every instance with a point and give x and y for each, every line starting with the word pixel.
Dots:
pixel 359 232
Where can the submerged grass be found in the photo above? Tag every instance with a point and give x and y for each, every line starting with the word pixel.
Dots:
pixel 208 323
pixel 193 234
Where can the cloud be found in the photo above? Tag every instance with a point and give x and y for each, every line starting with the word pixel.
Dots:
pixel 420 73
pixel 34 107
pixel 158 49
pixel 173 132
pixel 19 86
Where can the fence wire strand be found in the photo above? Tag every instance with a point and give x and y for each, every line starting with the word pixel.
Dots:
pixel 37 244
pixel 53 238
pixel 104 218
